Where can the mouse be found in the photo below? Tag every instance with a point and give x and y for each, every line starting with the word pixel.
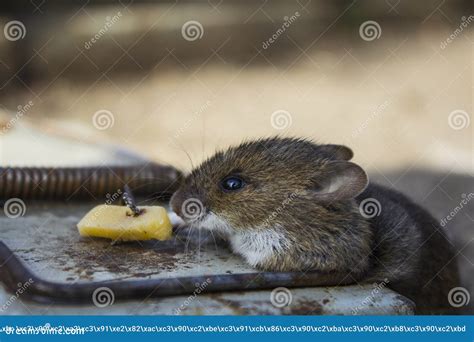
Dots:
pixel 287 204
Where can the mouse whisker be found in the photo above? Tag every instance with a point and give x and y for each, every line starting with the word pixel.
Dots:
pixel 214 239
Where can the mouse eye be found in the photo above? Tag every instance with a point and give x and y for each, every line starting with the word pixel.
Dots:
pixel 232 183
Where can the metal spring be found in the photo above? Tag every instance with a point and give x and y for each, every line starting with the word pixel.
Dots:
pixel 65 183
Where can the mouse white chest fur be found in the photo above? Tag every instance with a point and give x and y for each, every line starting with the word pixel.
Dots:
pixel 256 246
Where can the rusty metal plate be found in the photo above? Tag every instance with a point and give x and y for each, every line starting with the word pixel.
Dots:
pixel 47 240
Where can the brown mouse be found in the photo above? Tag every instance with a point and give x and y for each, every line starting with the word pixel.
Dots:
pixel 288 204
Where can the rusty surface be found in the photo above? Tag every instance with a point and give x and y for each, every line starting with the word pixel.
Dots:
pixel 46 239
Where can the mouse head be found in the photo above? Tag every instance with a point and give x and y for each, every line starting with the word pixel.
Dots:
pixel 242 187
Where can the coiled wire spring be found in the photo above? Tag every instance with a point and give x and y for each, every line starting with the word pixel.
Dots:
pixel 65 183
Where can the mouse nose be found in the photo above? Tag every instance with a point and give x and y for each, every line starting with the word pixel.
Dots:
pixel 187 205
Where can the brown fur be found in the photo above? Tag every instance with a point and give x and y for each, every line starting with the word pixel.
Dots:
pixel 289 185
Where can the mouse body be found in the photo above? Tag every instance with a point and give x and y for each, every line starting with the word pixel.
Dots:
pixel 289 204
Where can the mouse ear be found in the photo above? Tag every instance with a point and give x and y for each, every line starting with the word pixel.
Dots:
pixel 338 152
pixel 340 180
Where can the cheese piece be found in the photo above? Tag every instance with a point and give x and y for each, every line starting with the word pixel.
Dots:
pixel 118 223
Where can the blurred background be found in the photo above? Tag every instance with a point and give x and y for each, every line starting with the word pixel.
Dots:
pixel 175 80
